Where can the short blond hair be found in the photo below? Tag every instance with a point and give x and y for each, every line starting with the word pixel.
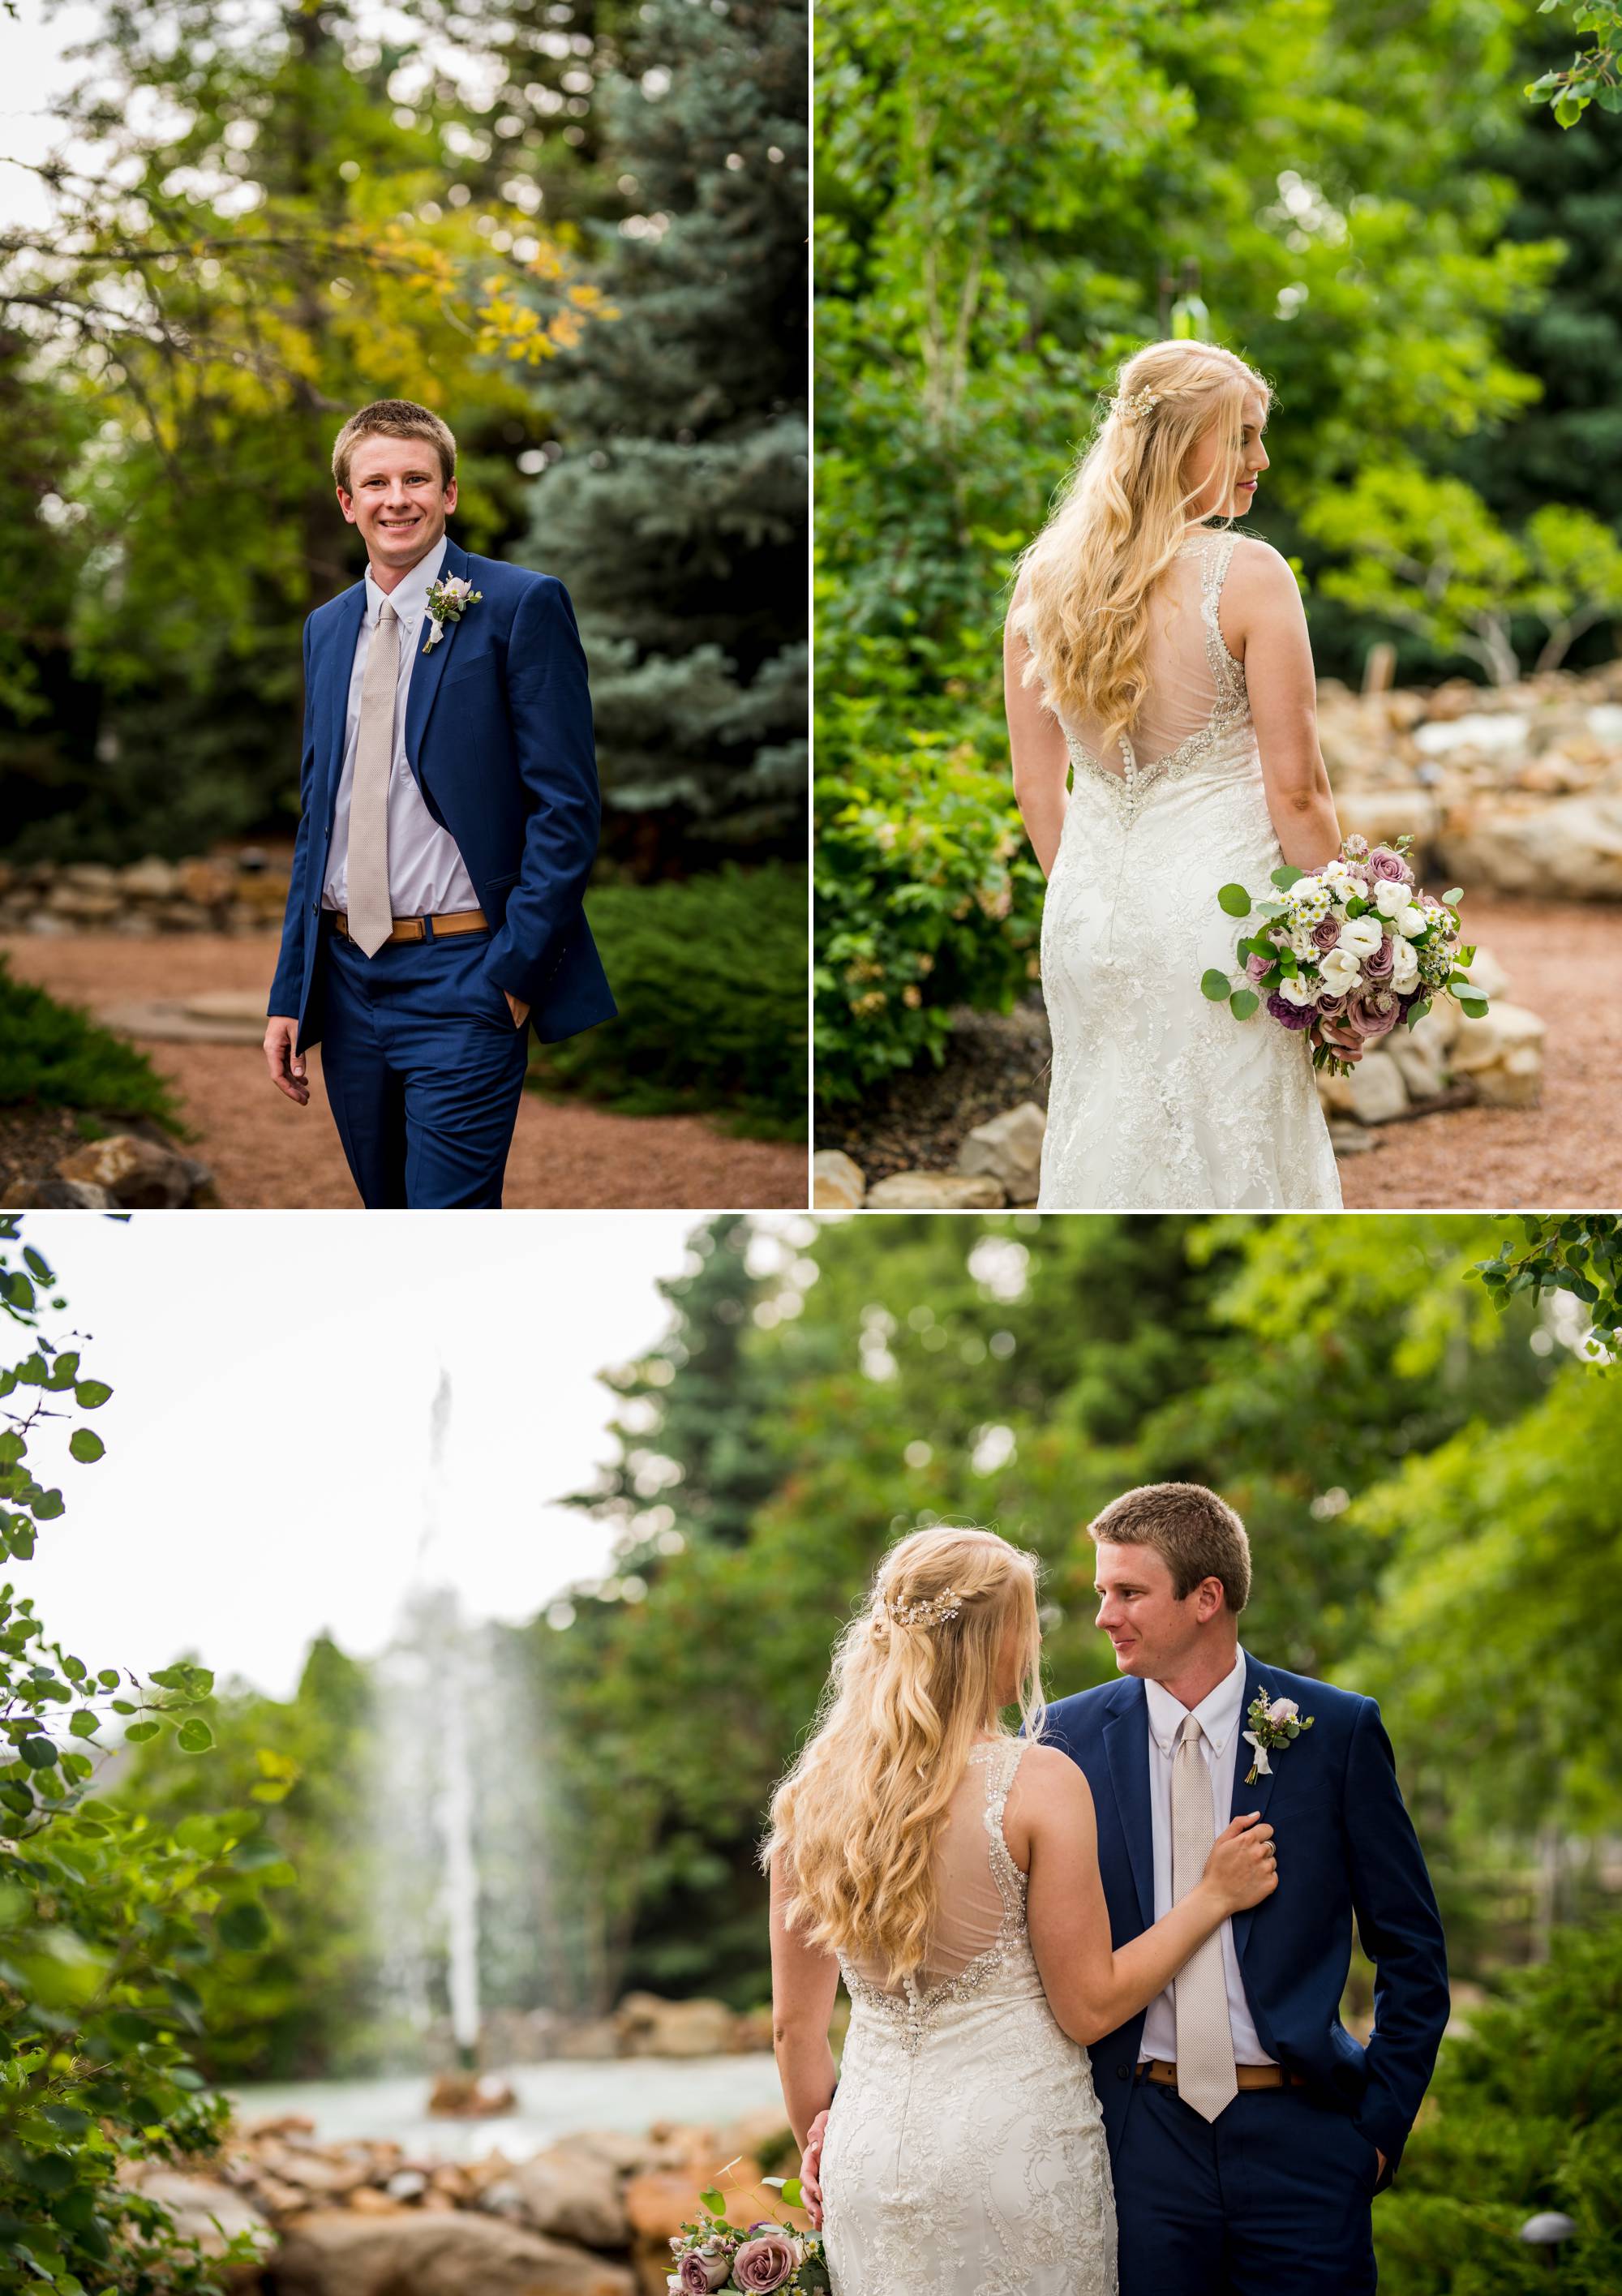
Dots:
pixel 1196 1534
pixel 394 418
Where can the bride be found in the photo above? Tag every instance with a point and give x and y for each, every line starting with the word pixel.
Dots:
pixel 1157 664
pixel 950 1871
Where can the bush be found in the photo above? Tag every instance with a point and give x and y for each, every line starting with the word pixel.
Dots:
pixel 1525 2115
pixel 927 893
pixel 709 977
pixel 55 1052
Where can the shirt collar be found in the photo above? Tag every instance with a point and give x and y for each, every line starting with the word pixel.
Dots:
pixel 408 598
pixel 1217 1712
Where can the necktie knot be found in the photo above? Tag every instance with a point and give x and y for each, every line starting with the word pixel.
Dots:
pixel 1190 1734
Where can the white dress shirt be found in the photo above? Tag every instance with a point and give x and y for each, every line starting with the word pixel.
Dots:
pixel 427 875
pixel 1219 1715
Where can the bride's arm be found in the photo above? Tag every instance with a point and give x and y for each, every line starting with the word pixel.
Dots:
pixel 1036 745
pixel 1261 598
pixel 1091 1988
pixel 805 1979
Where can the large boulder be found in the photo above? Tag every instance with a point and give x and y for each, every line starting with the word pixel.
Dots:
pixel 570 2192
pixel 1566 849
pixel 137 1173
pixel 1009 1147
pixel 649 2026
pixel 208 2212
pixel 451 2252
pixel 1374 1093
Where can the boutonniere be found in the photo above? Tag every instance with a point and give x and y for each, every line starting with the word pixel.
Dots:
pixel 1273 1723
pixel 447 602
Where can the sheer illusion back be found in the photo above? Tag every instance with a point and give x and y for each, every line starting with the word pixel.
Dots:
pixel 965 2150
pixel 1160 1100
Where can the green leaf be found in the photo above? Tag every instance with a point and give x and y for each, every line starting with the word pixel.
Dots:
pixel 138 1733
pixel 1416 1013
pixel 1234 901
pixel 194 1736
pixel 1287 877
pixel 1242 1003
pixel 38 1753
pixel 244 1926
pixel 84 1724
pixel 712 2201
pixel 1474 1008
pixel 1455 897
pixel 90 1394
pixel 85 1446
pixel 1215 986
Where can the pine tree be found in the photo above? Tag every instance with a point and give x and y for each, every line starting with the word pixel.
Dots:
pixel 674 508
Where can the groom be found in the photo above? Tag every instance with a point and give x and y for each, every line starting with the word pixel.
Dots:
pixel 449 823
pixel 1248 2130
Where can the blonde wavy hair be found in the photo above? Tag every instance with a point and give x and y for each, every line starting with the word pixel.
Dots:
pixel 1121 516
pixel 855 1821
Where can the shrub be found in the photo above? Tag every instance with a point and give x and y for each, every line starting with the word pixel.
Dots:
pixel 927 893
pixel 1525 2116
pixel 709 977
pixel 56 1052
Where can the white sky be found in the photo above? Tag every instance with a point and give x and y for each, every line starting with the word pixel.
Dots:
pixel 34 76
pixel 266 1469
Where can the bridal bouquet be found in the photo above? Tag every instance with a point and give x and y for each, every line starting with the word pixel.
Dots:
pixel 1347 951
pixel 758 2257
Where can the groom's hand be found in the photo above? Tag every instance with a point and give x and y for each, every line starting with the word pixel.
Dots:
pixel 810 2162
pixel 1380 2157
pixel 286 1066
pixel 519 1009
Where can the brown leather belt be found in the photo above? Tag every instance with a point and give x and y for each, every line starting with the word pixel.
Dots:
pixel 1165 2074
pixel 453 920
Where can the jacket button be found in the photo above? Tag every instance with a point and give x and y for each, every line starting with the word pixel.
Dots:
pixel 1121 2072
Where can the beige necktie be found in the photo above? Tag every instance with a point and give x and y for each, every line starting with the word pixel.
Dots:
pixel 370 916
pixel 1206 2077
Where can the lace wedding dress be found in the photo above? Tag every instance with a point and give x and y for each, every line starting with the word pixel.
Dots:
pixel 1159 1100
pixel 966 2151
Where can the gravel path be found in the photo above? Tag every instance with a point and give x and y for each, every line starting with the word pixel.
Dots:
pixel 1564 963
pixel 267 1154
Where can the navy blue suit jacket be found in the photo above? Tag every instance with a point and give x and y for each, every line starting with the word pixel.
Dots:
pixel 498 732
pixel 1347 1850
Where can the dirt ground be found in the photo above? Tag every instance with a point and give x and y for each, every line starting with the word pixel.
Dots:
pixel 265 1153
pixel 1564 963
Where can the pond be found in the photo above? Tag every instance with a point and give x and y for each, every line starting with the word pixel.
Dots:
pixel 553 2100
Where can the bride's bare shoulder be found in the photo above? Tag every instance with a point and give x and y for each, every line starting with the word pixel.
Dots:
pixel 1048 1777
pixel 1257 567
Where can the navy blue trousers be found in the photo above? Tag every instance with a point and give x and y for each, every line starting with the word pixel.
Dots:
pixel 422 1067
pixel 1270 2199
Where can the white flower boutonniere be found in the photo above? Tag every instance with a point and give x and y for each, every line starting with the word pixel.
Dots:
pixel 447 602
pixel 1273 1723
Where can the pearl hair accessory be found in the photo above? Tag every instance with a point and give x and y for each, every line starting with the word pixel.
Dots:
pixel 929 1610
pixel 1133 406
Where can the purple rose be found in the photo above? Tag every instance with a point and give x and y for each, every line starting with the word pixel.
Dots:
pixel 701 2274
pixel 1331 1008
pixel 1376 965
pixel 1384 863
pixel 765 2264
pixel 1373 1012
pixel 1326 932
pixel 1256 965
pixel 1292 1016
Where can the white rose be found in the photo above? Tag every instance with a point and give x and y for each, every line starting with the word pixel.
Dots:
pixel 1404 966
pixel 1302 944
pixel 1391 894
pixel 1360 936
pixel 1341 971
pixel 1294 990
pixel 1412 921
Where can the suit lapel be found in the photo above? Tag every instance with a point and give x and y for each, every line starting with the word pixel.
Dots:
pixel 1248 1797
pixel 429 667
pixel 1127 1748
pixel 340 665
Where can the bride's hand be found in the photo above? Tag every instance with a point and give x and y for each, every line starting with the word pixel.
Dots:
pixel 1242 1869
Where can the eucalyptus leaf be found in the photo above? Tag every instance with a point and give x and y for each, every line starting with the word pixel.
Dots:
pixel 1234 901
pixel 1215 986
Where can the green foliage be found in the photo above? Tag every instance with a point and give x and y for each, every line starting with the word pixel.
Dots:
pixel 1592 76
pixel 676 509
pixel 56 1054
pixel 106 1921
pixel 926 896
pixel 1525 2116
pixel 1576 1252
pixel 709 977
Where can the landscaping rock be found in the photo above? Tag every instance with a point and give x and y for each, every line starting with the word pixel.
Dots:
pixel 568 2191
pixel 1009 1148
pixel 937 1191
pixel 649 2026
pixel 838 1184
pixel 1418 1061
pixel 1503 1057
pixel 1373 1093
pixel 56 1196
pixel 137 1175
pixel 1567 848
pixel 336 2252
pixel 209 2212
